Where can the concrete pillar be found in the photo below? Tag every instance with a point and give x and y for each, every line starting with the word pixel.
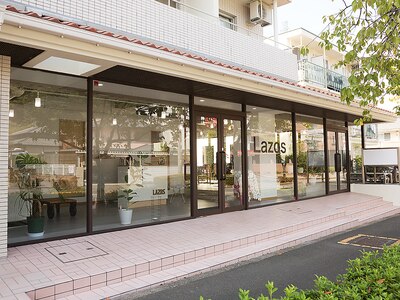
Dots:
pixel 5 71
pixel 207 9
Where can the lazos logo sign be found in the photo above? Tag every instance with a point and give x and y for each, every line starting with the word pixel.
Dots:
pixel 269 147
pixel 159 192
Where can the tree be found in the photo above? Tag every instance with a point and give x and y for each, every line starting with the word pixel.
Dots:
pixel 368 31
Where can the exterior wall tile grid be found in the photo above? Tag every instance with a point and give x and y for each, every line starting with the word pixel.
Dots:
pixel 241 12
pixel 5 70
pixel 153 20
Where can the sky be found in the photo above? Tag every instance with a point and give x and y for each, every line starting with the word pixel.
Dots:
pixel 305 13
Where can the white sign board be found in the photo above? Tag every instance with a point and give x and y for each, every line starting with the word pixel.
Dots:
pixel 381 157
pixel 147 182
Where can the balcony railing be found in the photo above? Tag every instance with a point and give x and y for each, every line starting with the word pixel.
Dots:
pixel 320 76
pixel 177 28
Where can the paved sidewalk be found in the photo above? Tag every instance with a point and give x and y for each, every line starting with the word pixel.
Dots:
pixel 103 265
pixel 299 266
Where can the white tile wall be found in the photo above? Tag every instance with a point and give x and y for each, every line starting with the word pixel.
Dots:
pixel 152 20
pixel 5 69
pixel 242 14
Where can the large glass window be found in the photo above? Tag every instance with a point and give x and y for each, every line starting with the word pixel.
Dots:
pixel 382 135
pixel 270 156
pixel 310 156
pixel 47 149
pixel 355 152
pixel 141 155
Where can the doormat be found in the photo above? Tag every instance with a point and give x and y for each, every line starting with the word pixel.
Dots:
pixel 369 241
pixel 76 251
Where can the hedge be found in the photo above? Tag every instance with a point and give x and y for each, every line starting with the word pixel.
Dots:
pixel 374 275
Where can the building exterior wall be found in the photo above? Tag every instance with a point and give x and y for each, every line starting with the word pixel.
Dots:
pixel 382 135
pixel 241 12
pixel 5 71
pixel 152 20
pixel 389 192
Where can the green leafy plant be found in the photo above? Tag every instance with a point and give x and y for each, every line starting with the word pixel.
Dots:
pixel 30 194
pixel 24 159
pixel 127 195
pixel 368 32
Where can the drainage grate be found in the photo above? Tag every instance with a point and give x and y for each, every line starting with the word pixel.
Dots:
pixel 369 241
pixel 76 251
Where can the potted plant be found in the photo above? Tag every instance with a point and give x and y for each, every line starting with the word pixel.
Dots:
pixel 30 195
pixel 29 198
pixel 125 212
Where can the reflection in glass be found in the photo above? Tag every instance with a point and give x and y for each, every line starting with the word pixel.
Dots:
pixel 333 175
pixel 207 147
pixel 233 162
pixel 140 156
pixel 47 149
pixel 270 156
pixel 310 156
pixel 355 154
pixel 343 174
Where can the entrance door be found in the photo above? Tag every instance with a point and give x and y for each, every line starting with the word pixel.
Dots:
pixel 219 161
pixel 337 161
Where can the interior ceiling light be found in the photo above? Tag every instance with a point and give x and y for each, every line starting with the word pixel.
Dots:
pixel 97 83
pixel 64 65
pixel 38 101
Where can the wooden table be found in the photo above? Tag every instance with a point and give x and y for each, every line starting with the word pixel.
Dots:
pixel 51 202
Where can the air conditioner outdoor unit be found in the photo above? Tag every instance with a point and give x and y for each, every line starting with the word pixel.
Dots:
pixel 266 16
pixel 255 11
pixel 260 14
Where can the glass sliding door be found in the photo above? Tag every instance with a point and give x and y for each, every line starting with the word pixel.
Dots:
pixel 337 161
pixel 207 147
pixel 219 175
pixel 232 137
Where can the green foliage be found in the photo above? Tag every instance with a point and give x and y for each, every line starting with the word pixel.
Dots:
pixel 358 163
pixel 374 275
pixel 368 32
pixel 23 159
pixel 30 195
pixel 127 195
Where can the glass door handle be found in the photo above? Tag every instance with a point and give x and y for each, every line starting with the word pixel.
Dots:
pixel 338 162
pixel 221 165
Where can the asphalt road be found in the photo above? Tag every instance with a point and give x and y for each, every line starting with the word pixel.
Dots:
pixel 297 266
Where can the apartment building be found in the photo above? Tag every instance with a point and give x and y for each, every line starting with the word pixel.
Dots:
pixel 117 114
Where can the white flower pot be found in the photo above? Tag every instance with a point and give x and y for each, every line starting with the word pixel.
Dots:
pixel 125 215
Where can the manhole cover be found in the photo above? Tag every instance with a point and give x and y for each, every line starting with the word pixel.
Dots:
pixel 76 251
pixel 369 241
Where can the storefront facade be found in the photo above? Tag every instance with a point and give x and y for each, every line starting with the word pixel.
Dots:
pixel 148 140
pixel 174 155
